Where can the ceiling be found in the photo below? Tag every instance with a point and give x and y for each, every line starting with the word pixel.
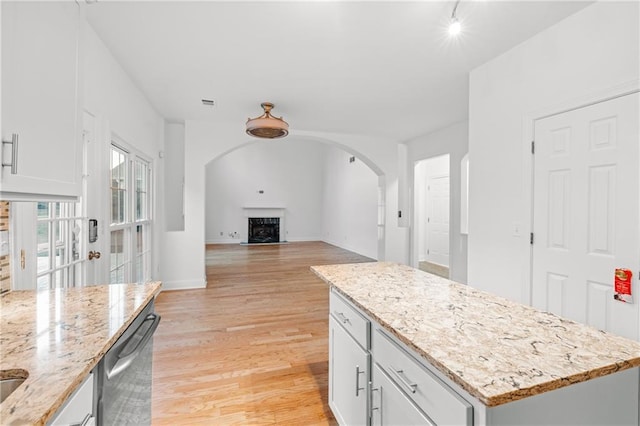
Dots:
pixel 388 69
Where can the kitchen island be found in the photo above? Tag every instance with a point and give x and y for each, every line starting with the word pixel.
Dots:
pixel 56 337
pixel 501 360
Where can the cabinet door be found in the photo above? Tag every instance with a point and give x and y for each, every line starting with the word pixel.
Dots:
pixel 79 407
pixel 348 376
pixel 390 406
pixel 40 98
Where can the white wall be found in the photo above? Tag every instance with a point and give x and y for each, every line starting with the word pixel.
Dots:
pixel 593 50
pixel 173 159
pixel 110 93
pixel 120 108
pixel 350 204
pixel 289 172
pixel 452 140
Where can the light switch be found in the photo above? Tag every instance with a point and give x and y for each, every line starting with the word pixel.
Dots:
pixel 4 243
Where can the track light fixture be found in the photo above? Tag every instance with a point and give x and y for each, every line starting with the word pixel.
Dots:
pixel 454 24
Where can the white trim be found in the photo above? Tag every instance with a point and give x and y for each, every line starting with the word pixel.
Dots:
pixel 184 285
pixel 528 135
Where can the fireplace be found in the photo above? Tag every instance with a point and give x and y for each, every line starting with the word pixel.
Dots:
pixel 264 230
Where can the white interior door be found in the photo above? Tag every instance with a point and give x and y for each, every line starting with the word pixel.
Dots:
pixel 437 226
pixel 586 213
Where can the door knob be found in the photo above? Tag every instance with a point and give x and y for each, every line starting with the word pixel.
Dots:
pixel 94 255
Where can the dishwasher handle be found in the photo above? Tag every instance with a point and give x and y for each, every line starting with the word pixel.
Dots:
pixel 125 360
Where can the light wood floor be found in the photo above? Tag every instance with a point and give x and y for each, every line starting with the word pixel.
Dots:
pixel 434 268
pixel 251 348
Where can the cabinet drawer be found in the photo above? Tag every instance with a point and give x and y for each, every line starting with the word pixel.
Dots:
pixel 356 325
pixel 433 396
pixel 390 406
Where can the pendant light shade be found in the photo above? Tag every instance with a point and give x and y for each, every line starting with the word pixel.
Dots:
pixel 267 126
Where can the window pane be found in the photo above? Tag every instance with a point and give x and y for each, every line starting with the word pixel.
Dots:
pixel 142 190
pixel 118 185
pixel 43 210
pixel 140 255
pixel 43 282
pixel 75 240
pixel 140 239
pixel 43 247
pixel 117 275
pixel 43 234
pixel 59 281
pixel 118 257
pixel 117 248
pixel 139 270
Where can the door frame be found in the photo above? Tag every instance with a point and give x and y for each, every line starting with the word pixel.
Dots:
pixel 528 135
pixel 414 249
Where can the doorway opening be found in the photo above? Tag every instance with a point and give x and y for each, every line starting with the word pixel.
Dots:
pixel 431 201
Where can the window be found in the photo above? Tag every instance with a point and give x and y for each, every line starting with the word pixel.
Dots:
pixel 130 253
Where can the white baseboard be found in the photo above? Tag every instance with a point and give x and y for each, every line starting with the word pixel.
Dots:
pixel 184 285
pixel 346 247
pixel 223 241
pixel 238 241
pixel 304 239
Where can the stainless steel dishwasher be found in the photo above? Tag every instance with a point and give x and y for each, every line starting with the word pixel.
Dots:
pixel 124 378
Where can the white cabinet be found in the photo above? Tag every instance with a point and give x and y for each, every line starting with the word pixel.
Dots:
pixel 41 99
pixel 365 361
pixel 78 409
pixel 349 361
pixel 390 406
pixel 348 376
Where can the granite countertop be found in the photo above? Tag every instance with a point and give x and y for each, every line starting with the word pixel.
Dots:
pixel 57 337
pixel 497 350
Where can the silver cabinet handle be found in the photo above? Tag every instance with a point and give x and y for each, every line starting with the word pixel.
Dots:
pixel 342 317
pixel 404 380
pixel 14 153
pixel 358 373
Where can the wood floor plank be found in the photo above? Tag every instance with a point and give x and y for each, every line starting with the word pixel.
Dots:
pixel 251 348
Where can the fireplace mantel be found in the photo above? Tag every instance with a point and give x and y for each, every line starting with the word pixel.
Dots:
pixel 264 212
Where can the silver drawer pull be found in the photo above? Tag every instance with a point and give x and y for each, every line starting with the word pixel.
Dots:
pixel 358 373
pixel 405 381
pixel 342 317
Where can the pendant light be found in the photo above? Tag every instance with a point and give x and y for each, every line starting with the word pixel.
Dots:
pixel 267 126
